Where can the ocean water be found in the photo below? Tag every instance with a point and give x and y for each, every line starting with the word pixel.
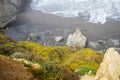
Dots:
pixel 98 11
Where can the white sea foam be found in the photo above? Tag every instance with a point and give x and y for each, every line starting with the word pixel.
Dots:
pixel 98 10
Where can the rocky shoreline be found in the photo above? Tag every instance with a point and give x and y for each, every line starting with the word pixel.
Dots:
pixel 49 38
pixel 62 62
pixel 20 27
pixel 47 47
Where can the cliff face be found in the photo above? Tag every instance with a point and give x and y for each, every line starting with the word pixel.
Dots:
pixel 8 10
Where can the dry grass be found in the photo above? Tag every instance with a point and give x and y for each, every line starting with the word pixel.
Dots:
pixel 13 70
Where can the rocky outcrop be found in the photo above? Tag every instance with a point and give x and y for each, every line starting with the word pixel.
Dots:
pixel 13 70
pixel 77 40
pixel 103 45
pixel 109 69
pixel 8 10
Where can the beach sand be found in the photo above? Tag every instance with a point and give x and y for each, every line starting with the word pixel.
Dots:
pixel 60 26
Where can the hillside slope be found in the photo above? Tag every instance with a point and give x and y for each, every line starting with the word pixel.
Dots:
pixel 13 70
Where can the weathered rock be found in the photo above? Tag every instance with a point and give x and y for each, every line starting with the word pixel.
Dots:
pixel 118 49
pixel 59 38
pixel 16 3
pixel 17 54
pixel 19 4
pixel 7 13
pixel 109 69
pixel 94 45
pixel 103 45
pixel 34 66
pixel 101 41
pixel 77 40
pixel 48 33
pixel 87 77
pixel 8 10
pixel 112 42
pixel 33 37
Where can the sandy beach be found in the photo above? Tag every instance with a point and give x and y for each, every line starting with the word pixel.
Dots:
pixel 59 26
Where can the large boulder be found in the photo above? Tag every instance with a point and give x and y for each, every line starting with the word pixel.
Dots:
pixel 109 69
pixel 8 10
pixel 77 40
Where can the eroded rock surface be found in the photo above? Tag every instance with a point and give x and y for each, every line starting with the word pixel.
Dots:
pixel 8 10
pixel 109 69
pixel 77 40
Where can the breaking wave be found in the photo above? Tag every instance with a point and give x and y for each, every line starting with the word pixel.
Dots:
pixel 98 10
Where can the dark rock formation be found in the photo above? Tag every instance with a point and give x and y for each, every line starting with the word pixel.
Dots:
pixel 8 10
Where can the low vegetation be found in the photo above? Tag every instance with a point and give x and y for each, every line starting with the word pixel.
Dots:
pixel 57 62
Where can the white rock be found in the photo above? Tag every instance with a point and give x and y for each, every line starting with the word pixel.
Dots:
pixel 59 38
pixel 77 40
pixel 33 37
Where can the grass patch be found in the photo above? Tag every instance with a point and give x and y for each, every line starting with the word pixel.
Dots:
pixel 84 70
